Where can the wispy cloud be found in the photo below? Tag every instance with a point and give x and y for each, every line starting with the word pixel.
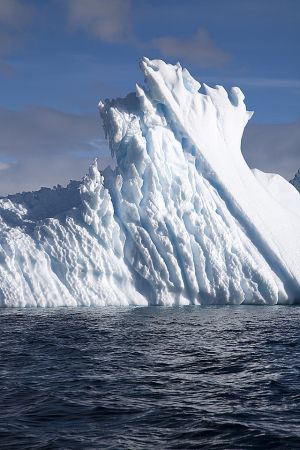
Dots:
pixel 112 21
pixel 4 166
pixel 15 15
pixel 6 70
pixel 199 49
pixel 109 20
pixel 272 83
pixel 43 147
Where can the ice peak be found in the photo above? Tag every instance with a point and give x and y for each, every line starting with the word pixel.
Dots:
pixel 296 181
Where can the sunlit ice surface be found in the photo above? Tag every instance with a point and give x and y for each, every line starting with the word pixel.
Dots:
pixel 180 220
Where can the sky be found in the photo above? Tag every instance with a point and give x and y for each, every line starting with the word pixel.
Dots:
pixel 58 58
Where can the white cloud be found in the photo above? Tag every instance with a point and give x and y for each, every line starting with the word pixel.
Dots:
pixel 108 20
pixel 14 13
pixel 14 16
pixel 199 49
pixel 4 166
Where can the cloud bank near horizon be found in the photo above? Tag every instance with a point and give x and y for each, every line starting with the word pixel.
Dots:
pixel 45 147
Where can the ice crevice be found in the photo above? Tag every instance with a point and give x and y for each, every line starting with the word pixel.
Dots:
pixel 180 220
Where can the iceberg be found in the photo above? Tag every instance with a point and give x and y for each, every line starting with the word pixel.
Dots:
pixel 296 181
pixel 181 219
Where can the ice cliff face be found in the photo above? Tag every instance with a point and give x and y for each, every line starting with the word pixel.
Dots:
pixel 296 181
pixel 182 219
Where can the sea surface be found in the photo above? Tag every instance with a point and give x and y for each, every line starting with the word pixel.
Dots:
pixel 150 378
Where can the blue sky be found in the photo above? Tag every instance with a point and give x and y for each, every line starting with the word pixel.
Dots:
pixel 59 57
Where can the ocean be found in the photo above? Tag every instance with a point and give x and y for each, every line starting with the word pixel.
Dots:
pixel 150 378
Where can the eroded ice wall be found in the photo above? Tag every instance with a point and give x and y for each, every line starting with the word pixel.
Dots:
pixel 202 226
pixel 182 219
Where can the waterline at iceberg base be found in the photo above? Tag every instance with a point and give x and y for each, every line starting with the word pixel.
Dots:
pixel 181 220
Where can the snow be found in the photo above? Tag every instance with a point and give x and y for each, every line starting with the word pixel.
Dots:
pixel 181 219
pixel 282 191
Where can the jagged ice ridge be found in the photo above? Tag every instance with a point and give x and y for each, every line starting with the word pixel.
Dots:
pixel 181 219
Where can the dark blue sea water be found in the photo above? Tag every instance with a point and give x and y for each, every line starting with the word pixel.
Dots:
pixel 150 378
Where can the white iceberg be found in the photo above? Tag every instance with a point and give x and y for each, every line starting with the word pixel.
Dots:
pixel 181 220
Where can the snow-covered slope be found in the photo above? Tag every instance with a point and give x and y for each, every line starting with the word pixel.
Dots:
pixel 296 181
pixel 182 219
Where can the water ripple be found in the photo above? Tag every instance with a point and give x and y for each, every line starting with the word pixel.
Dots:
pixel 148 378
